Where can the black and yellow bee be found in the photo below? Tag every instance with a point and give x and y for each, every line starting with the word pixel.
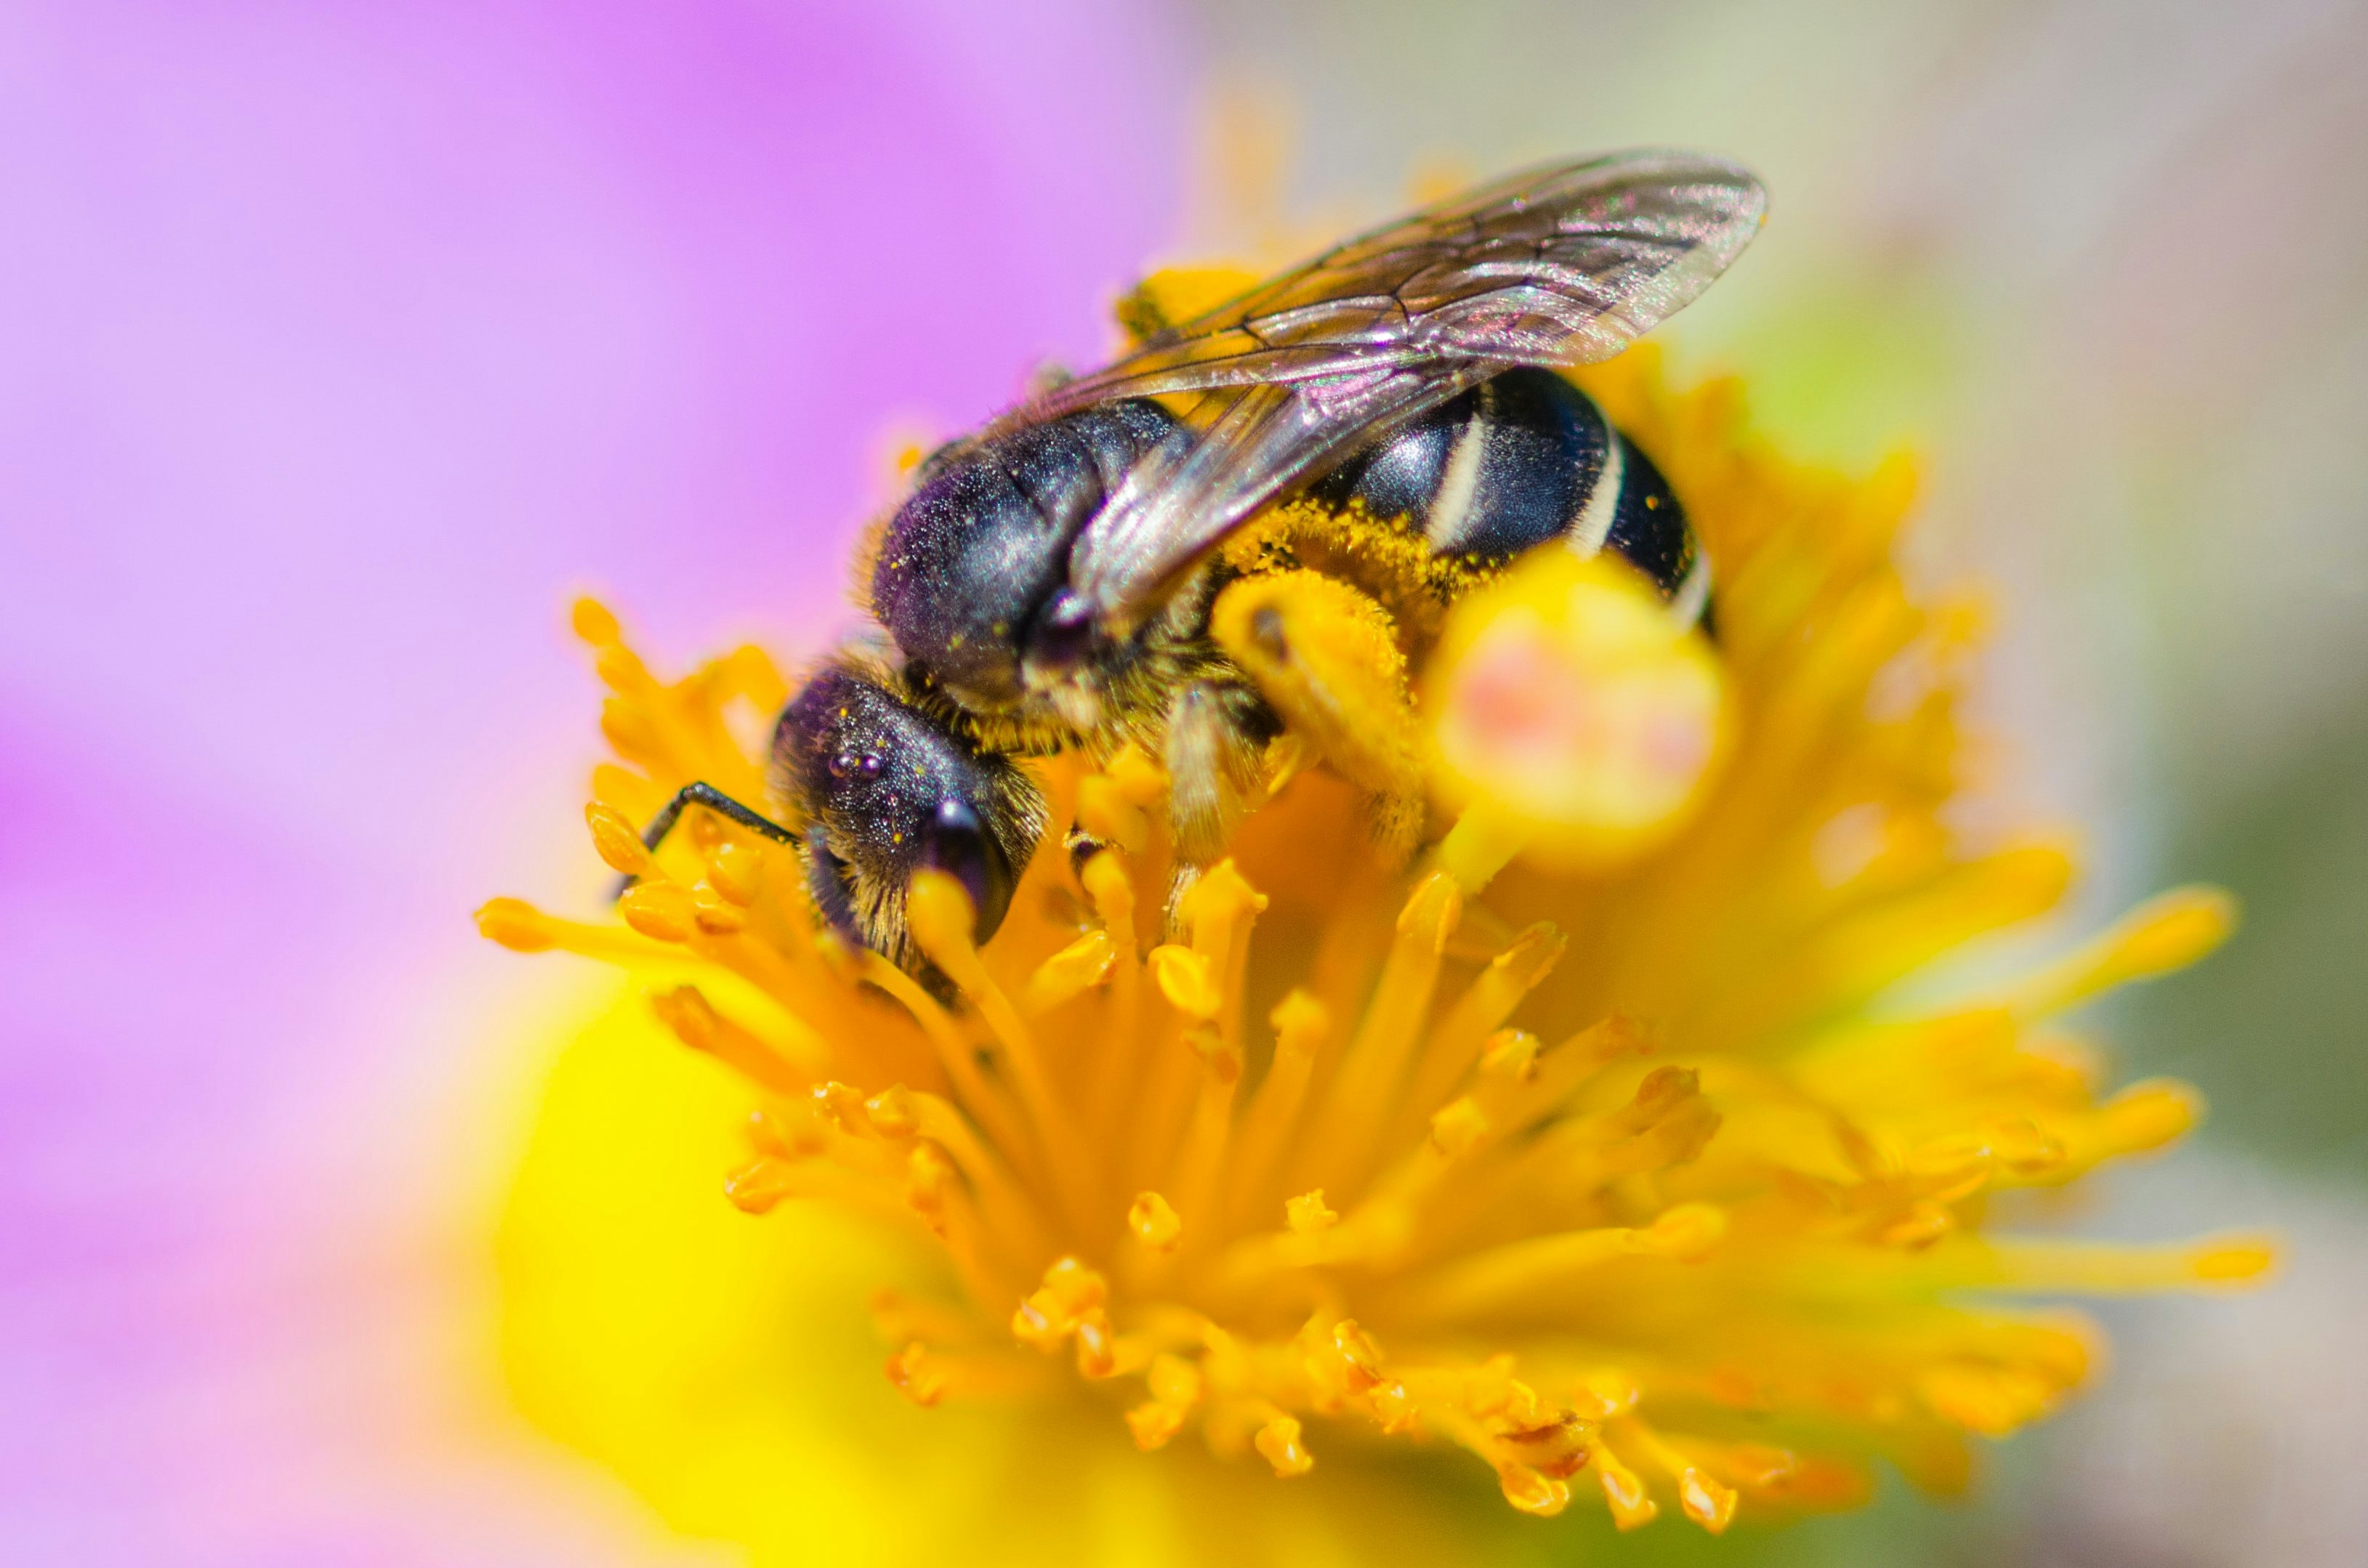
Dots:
pixel 1201 547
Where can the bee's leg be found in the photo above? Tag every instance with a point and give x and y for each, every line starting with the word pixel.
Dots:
pixel 1217 736
pixel 715 800
pixel 1326 657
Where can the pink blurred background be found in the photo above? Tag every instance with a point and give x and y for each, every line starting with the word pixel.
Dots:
pixel 339 344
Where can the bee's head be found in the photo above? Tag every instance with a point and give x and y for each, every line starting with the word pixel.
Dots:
pixel 886 789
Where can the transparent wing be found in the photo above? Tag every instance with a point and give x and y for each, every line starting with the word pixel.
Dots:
pixel 1557 266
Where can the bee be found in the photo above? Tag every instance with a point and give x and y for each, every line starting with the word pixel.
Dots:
pixel 1239 529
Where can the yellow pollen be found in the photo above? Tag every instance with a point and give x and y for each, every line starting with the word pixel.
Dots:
pixel 1154 1224
pixel 1279 1441
pixel 1307 1214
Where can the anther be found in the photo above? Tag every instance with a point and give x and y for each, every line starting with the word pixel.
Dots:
pixel 759 1187
pixel 892 1112
pixel 1096 1344
pixel 1105 882
pixel 842 1105
pixel 705 832
pixel 2149 1115
pixel 515 925
pixel 765 1135
pixel 1175 1384
pixel 733 869
pixel 915 1377
pixel 616 840
pixel 1458 1128
pixel 2163 934
pixel 1954 1166
pixel 2022 1146
pixel 660 911
pixel 1049 1315
pixel 1139 780
pixel 1625 1494
pixel 1299 1023
pixel 1039 1320
pixel 1362 1356
pixel 1308 1213
pixel 1432 910
pixel 1184 978
pixel 1105 813
pixel 1760 1464
pixel 2233 1262
pixel 1279 1442
pixel 1153 1423
pixel 686 1011
pixel 942 915
pixel 1533 1491
pixel 1213 908
pixel 1075 1286
pixel 1606 1393
pixel 593 622
pixel 1222 1061
pixel 694 1020
pixel 1557 1447
pixel 928 1174
pixel 1708 1503
pixel 1686 1233
pixel 1919 1226
pixel 621 670
pixel 1510 1054
pixel 1993 1401
pixel 627 730
pixel 1082 965
pixel 714 915
pixel 1154 1224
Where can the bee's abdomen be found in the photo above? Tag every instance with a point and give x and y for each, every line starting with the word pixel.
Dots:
pixel 1519 462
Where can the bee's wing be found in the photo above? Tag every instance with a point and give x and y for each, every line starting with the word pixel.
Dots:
pixel 1557 267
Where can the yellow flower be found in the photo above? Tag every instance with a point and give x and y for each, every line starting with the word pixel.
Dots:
pixel 1601 1145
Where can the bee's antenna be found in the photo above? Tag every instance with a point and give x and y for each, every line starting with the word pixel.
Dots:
pixel 715 800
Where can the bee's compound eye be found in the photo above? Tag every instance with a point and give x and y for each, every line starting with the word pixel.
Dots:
pixel 958 844
pixel 1064 631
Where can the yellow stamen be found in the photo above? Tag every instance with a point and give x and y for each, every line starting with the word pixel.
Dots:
pixel 1084 963
pixel 699 1026
pixel 1279 1442
pixel 1605 1055
pixel 619 842
pixel 2166 933
pixel 1154 1222
pixel 1300 1024
pixel 1632 1507
pixel 1308 1213
pixel 1490 1279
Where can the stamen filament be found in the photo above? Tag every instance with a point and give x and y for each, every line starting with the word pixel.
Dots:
pixel 1300 1024
pixel 1504 1275
pixel 1354 1113
pixel 941 917
pixel 1456 1042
